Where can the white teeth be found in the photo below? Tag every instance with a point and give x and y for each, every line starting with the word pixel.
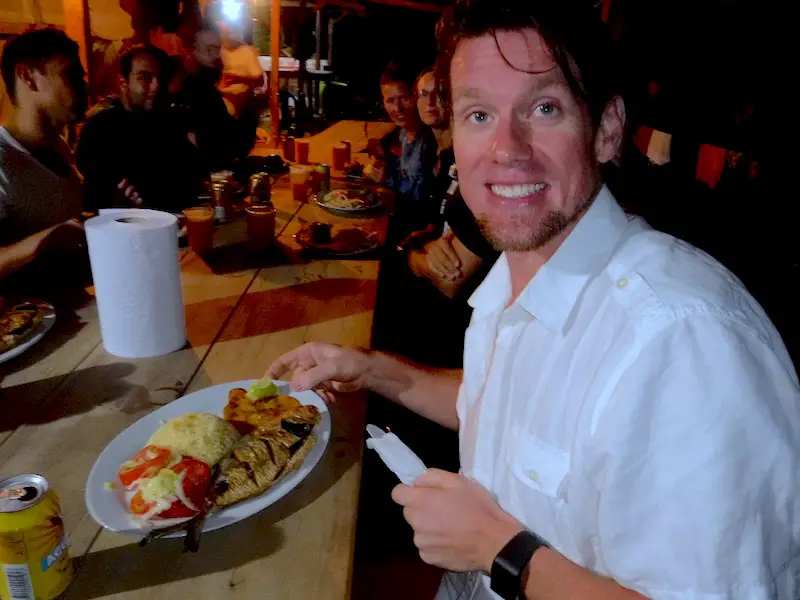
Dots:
pixel 518 191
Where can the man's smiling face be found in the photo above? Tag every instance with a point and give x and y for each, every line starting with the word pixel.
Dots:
pixel 524 144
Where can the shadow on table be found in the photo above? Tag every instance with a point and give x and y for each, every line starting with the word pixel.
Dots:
pixel 17 410
pixel 127 568
pixel 235 258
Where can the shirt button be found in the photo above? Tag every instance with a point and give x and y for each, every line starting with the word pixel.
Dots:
pixel 623 282
pixel 533 475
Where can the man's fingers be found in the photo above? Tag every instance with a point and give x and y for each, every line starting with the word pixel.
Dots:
pixel 404 495
pixel 283 365
pixel 436 478
pixel 316 377
pixel 122 184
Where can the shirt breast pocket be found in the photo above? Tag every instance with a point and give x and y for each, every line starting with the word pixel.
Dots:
pixel 537 486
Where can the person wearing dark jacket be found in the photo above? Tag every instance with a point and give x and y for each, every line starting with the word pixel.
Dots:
pixel 198 104
pixel 131 139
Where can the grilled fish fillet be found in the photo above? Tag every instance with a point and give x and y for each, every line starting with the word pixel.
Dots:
pixel 263 457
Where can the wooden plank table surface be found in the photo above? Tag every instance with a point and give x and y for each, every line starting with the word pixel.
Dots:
pixel 66 399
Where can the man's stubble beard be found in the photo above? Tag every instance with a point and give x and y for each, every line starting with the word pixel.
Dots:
pixel 554 223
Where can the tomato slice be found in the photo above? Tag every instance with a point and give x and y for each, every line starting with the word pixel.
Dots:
pixel 139 506
pixel 147 462
pixel 177 510
pixel 196 481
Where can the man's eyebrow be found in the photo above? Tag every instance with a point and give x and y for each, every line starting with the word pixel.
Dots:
pixel 548 80
pixel 466 93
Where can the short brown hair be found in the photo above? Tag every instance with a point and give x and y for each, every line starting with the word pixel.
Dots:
pixel 34 48
pixel 572 30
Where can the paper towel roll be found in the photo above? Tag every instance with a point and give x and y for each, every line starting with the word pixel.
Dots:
pixel 137 279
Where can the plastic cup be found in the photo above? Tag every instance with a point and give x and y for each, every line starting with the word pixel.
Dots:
pixel 200 228
pixel 298 179
pixel 301 148
pixel 340 152
pixel 260 227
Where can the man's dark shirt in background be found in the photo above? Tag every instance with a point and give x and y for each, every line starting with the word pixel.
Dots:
pixel 147 148
pixel 221 138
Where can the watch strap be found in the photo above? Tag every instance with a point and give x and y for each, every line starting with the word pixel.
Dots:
pixel 511 562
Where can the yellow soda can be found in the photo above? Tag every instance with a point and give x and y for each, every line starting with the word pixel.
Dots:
pixel 34 564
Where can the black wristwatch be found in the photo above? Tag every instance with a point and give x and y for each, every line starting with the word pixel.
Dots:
pixel 511 563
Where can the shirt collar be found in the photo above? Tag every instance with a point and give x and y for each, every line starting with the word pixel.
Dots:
pixel 5 136
pixel 552 294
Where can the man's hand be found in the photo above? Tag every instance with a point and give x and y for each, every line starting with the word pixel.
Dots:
pixel 324 368
pixel 128 193
pixel 457 525
pixel 437 259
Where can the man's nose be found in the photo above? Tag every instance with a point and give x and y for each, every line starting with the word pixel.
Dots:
pixel 511 143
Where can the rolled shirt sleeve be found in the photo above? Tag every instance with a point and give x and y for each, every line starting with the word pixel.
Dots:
pixel 696 462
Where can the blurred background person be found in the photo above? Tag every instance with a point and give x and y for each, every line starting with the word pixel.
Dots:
pixel 198 105
pixel 431 110
pixel 242 75
pixel 130 141
pixel 409 153
pixel 451 249
pixel 40 192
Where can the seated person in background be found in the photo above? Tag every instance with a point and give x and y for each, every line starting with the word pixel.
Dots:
pixel 242 75
pixel 219 137
pixel 40 192
pixel 132 138
pixel 409 151
pixel 450 260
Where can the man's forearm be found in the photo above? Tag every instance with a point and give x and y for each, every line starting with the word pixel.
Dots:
pixel 16 256
pixel 550 576
pixel 431 393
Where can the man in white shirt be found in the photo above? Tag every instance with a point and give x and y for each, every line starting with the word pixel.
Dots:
pixel 40 192
pixel 623 397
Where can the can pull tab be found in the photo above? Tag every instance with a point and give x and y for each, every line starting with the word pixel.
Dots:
pixel 395 454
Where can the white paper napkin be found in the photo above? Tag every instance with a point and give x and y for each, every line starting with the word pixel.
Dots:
pixel 395 454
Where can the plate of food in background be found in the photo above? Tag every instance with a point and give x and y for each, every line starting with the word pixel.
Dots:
pixel 207 460
pixel 23 323
pixel 331 240
pixel 349 199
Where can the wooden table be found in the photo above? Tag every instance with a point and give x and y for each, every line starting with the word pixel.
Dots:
pixel 66 399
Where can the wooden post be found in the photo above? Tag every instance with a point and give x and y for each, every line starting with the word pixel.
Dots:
pixel 76 26
pixel 319 37
pixel 606 10
pixel 275 73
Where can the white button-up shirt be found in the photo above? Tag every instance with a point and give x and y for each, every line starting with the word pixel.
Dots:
pixel 636 408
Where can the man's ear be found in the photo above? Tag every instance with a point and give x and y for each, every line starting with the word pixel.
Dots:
pixel 123 84
pixel 25 76
pixel 611 130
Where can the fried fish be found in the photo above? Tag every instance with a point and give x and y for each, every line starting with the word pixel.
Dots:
pixel 263 457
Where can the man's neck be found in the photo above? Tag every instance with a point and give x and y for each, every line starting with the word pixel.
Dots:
pixel 524 266
pixel 33 130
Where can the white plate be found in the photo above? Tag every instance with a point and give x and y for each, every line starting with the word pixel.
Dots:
pixel 48 320
pixel 108 508
pixel 356 209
